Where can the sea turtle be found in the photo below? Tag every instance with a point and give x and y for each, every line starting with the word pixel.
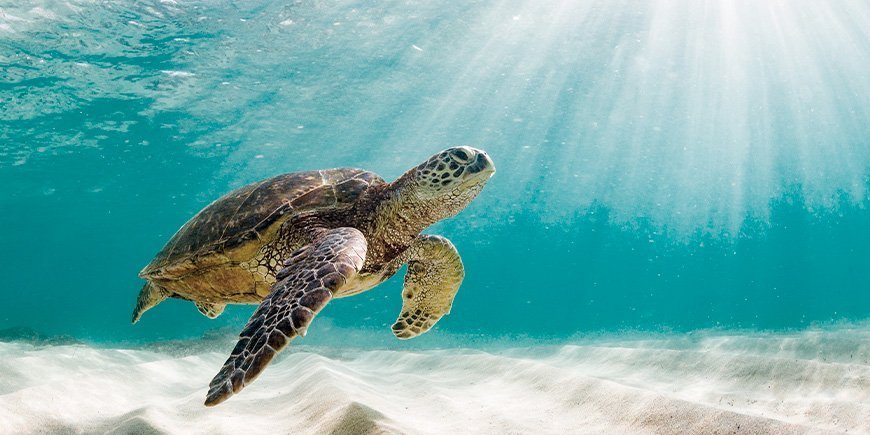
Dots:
pixel 292 242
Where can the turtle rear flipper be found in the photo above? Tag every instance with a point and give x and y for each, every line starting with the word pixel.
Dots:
pixel 210 310
pixel 304 287
pixel 150 295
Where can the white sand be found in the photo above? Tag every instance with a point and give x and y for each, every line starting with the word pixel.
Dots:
pixel 814 381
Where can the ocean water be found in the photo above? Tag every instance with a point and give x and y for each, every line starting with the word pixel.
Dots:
pixel 664 167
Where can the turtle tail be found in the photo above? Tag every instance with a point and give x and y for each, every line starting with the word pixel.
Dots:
pixel 150 296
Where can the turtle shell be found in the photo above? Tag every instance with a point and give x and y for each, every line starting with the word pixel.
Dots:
pixel 243 216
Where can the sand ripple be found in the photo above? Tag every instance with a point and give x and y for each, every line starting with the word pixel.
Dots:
pixel 816 382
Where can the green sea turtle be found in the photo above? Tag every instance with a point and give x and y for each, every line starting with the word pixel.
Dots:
pixel 293 242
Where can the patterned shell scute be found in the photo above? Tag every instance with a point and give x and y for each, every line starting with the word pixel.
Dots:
pixel 244 213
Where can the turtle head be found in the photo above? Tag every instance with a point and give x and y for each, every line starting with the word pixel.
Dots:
pixel 448 181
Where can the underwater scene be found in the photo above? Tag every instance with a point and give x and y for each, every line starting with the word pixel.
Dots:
pixel 566 216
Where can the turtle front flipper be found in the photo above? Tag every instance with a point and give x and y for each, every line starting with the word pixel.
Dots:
pixel 434 274
pixel 303 289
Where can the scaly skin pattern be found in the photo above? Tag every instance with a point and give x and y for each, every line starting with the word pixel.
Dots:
pixel 307 284
pixel 230 251
pixel 293 234
pixel 335 237
pixel 434 274
pixel 149 296
pixel 345 261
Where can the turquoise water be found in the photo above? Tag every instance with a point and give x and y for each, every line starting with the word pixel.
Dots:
pixel 661 165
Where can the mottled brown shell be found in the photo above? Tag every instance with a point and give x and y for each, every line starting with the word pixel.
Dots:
pixel 245 213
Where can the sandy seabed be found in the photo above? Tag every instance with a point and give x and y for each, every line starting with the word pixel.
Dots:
pixel 815 381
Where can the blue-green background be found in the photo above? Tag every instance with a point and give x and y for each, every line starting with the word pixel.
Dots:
pixel 664 165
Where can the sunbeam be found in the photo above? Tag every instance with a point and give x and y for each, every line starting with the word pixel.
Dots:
pixel 689 163
pixel 689 115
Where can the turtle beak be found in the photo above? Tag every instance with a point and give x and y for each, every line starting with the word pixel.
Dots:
pixel 479 171
pixel 486 161
pixel 482 165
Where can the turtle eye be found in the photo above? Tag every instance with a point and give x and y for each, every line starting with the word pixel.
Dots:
pixel 460 155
